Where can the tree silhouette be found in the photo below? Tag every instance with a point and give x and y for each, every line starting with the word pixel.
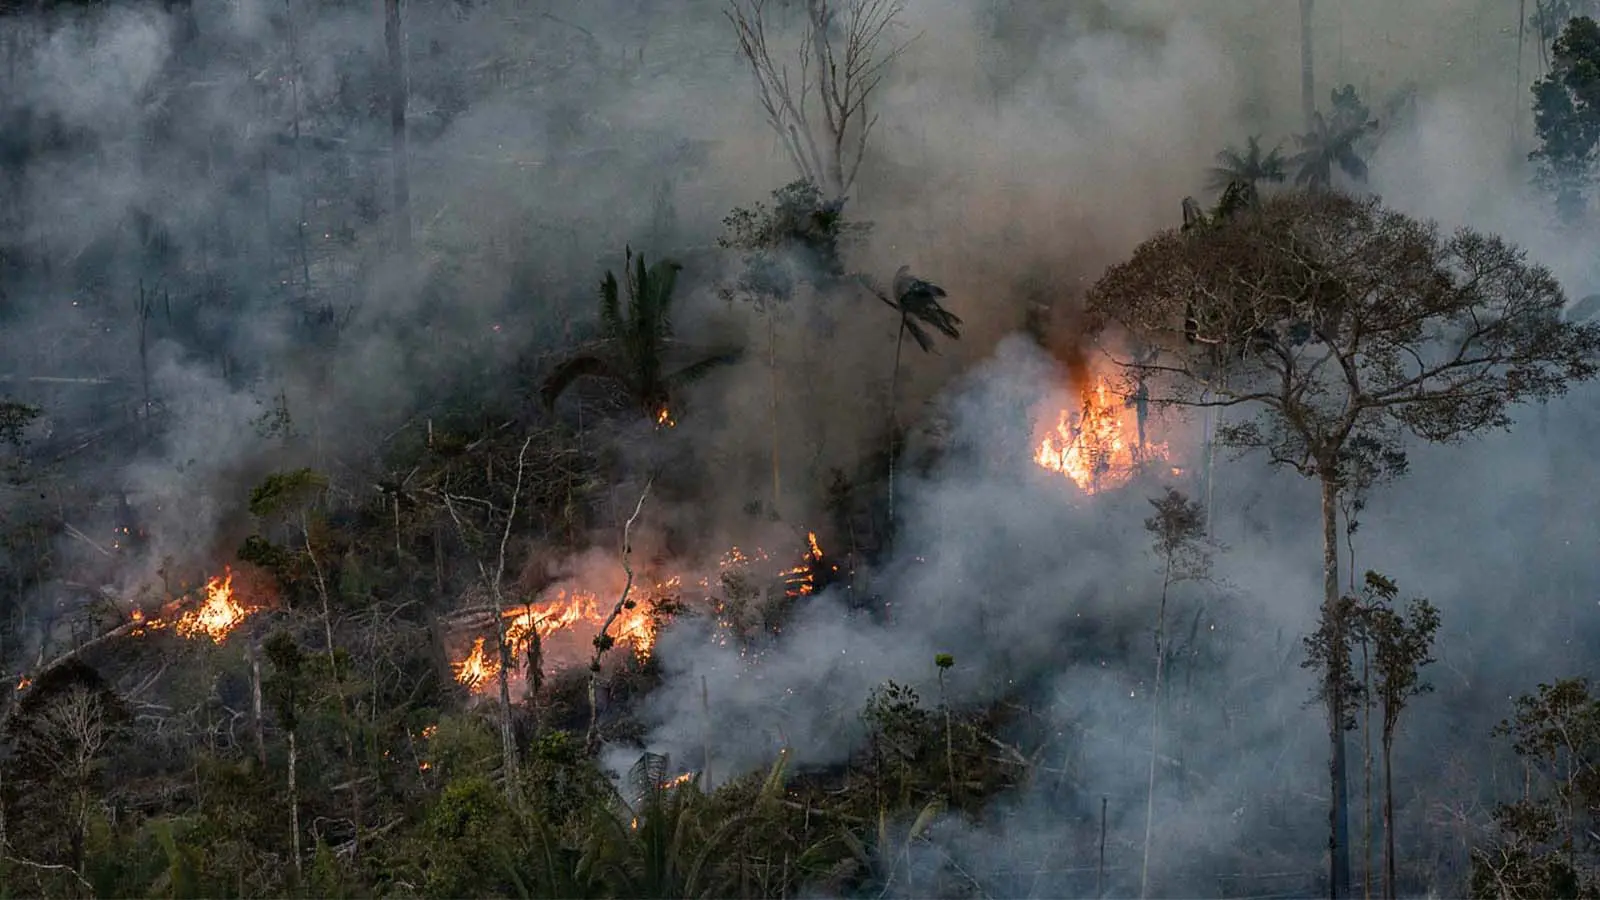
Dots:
pixel 1251 164
pixel 917 302
pixel 1332 143
pixel 1342 325
pixel 635 342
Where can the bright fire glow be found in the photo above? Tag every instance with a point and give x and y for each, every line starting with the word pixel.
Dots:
pixel 568 621
pixel 215 618
pixel 1098 447
pixel 664 418
pixel 567 611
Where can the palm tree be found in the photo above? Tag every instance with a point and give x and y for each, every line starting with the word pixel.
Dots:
pixel 1250 165
pixel 634 343
pixel 917 301
pixel 1331 145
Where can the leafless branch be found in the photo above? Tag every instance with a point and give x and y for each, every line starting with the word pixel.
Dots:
pixel 603 640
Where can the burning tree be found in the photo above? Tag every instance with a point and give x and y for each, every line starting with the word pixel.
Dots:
pixel 1342 327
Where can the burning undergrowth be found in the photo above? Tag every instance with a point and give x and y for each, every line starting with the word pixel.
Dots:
pixel 745 593
pixel 1015 574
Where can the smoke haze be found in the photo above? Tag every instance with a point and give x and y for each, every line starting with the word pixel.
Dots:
pixel 1022 147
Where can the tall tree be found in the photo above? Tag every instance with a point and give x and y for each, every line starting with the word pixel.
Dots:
pixel 841 58
pixel 1178 539
pixel 917 302
pixel 1402 645
pixel 1566 118
pixel 1308 85
pixel 1332 320
pixel 287 688
pixel 393 40
pixel 799 240
pixel 1335 142
pixel 634 345
pixel 1251 164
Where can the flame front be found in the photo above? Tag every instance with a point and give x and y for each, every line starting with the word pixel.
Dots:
pixel 218 615
pixel 581 614
pixel 1095 448
pixel 215 618
pixel 664 418
pixel 568 610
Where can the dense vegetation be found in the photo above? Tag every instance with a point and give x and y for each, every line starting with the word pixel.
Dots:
pixel 318 653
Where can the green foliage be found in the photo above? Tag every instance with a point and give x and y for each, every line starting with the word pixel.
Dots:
pixel 1251 165
pixel 262 552
pixel 1402 645
pixel 1335 142
pixel 286 687
pixel 943 660
pixel 286 493
pixel 15 418
pixel 801 238
pixel 635 339
pixel 473 845
pixel 1178 536
pixel 1543 845
pixel 1566 117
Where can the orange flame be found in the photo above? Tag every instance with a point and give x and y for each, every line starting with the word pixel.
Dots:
pixel 582 613
pixel 215 618
pixel 1099 448
pixel 23 682
pixel 218 615
pixel 566 611
pixel 664 418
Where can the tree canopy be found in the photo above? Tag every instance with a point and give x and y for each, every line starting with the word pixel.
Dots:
pixel 1334 316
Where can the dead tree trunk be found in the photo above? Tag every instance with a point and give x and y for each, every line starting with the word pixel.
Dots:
pixel 397 128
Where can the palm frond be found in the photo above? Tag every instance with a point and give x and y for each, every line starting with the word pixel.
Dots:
pixel 663 281
pixel 922 337
pixel 702 367
pixel 610 306
pixel 570 370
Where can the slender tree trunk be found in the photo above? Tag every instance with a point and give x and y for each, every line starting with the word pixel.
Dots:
pixel 255 706
pixel 1339 810
pixel 144 361
pixel 894 415
pixel 772 371
pixel 299 162
pixel 1308 93
pixel 294 801
pixel 397 127
pixel 1366 768
pixel 705 710
pixel 1155 729
pixel 1388 816
pixel 1100 872
pixel 508 741
pixel 1516 93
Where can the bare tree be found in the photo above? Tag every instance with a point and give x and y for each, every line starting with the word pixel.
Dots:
pixel 604 641
pixel 72 736
pixel 493 582
pixel 844 51
pixel 1341 325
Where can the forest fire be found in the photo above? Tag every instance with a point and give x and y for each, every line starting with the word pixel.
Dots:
pixel 568 621
pixel 566 612
pixel 664 418
pixel 1100 446
pixel 215 618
